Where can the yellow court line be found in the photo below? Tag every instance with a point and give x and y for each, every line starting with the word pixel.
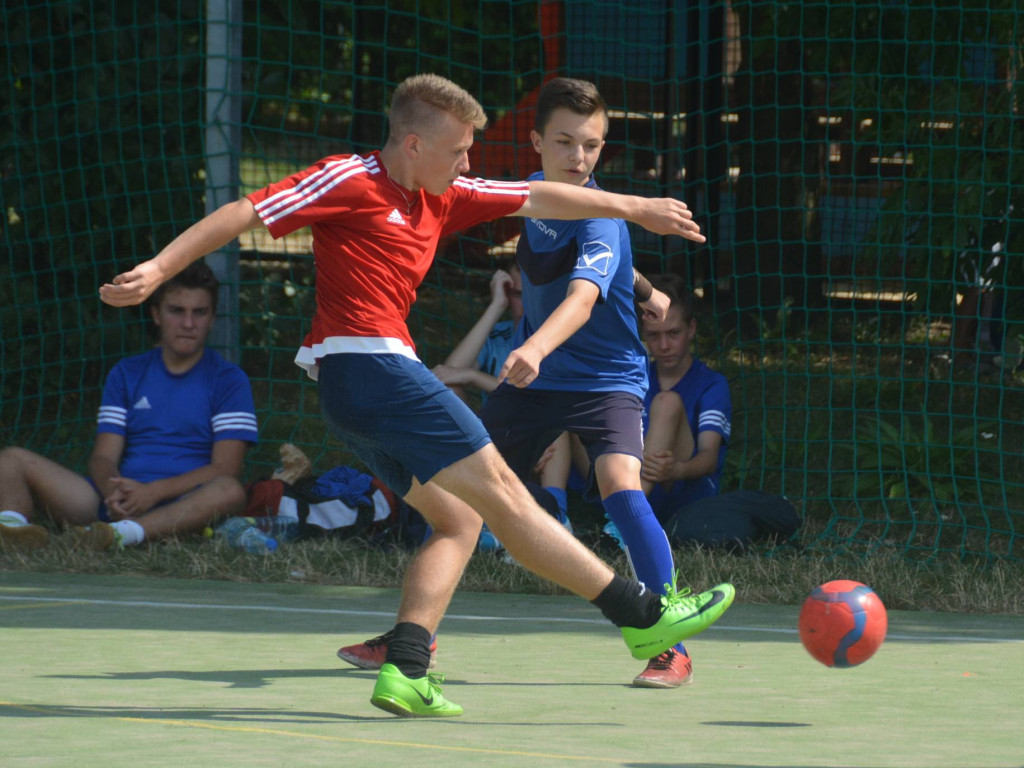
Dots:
pixel 320 737
pixel 34 605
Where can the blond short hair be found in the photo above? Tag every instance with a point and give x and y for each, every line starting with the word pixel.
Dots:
pixel 420 102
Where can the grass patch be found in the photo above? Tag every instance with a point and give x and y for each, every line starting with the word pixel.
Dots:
pixel 783 575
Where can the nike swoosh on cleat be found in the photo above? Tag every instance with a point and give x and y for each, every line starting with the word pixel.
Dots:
pixel 427 700
pixel 717 597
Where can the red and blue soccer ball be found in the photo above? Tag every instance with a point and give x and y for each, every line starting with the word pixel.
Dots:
pixel 842 623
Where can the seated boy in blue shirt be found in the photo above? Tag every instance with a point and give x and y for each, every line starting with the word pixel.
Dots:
pixel 687 409
pixel 173 427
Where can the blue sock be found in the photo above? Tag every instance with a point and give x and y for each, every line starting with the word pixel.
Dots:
pixel 562 498
pixel 647 547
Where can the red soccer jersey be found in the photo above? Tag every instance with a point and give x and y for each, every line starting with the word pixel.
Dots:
pixel 373 242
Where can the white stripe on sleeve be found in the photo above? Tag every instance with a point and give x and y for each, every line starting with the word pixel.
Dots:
pixel 488 186
pixel 112 414
pixel 234 420
pixel 714 420
pixel 312 187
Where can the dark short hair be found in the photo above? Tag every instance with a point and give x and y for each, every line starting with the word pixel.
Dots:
pixel 579 96
pixel 196 275
pixel 673 286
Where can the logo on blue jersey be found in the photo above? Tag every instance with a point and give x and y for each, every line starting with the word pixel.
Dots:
pixel 549 231
pixel 595 255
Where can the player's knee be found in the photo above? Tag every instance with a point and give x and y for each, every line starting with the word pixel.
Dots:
pixel 456 521
pixel 229 492
pixel 667 404
pixel 509 489
pixel 491 476
pixel 13 459
pixel 464 529
pixel 10 454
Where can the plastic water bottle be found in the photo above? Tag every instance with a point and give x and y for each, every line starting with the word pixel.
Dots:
pixel 231 529
pixel 241 532
pixel 281 527
pixel 256 542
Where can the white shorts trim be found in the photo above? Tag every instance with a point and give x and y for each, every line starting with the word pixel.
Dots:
pixel 307 357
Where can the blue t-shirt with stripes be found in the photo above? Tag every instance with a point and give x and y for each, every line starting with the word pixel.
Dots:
pixel 171 421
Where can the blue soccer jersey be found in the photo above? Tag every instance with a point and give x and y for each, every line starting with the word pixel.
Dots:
pixel 708 404
pixel 606 354
pixel 169 421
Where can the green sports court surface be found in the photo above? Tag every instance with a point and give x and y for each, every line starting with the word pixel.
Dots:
pixel 112 672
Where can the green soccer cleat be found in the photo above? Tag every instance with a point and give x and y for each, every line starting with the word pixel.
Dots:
pixel 408 697
pixel 683 615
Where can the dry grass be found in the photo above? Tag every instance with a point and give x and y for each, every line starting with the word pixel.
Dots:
pixel 784 575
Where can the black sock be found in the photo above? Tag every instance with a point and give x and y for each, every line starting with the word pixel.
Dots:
pixel 409 649
pixel 628 603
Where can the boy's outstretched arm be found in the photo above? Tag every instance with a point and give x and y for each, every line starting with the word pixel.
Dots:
pixel 205 236
pixel 661 215
pixel 523 364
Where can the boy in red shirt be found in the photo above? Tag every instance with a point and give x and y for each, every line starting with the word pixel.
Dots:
pixel 376 222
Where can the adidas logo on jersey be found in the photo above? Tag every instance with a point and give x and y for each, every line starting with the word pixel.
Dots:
pixel 395 217
pixel 143 404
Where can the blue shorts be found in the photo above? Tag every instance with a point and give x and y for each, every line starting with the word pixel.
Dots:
pixel 523 422
pixel 395 415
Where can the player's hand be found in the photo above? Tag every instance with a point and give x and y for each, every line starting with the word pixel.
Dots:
pixel 133 287
pixel 501 282
pixel 113 502
pixel 136 498
pixel 668 216
pixel 546 457
pixel 656 308
pixel 521 367
pixel 658 467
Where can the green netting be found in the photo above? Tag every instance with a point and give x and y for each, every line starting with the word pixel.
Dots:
pixel 853 164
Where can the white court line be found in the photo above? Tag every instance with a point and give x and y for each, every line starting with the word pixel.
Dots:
pixel 456 617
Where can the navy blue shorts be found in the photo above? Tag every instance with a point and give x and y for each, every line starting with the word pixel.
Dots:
pixel 395 415
pixel 523 422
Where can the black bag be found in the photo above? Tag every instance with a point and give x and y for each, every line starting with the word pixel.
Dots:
pixel 734 520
